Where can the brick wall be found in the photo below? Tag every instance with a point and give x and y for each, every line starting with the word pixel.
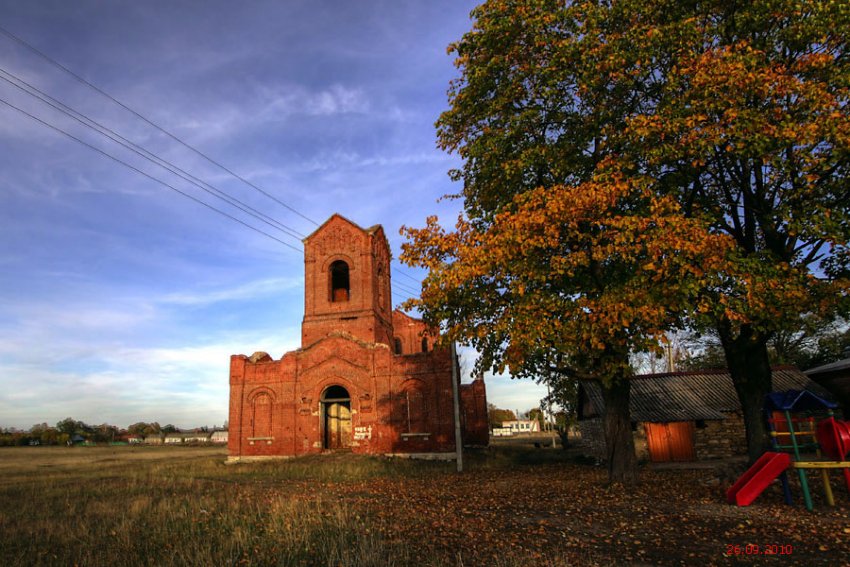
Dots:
pixel 473 405
pixel 396 403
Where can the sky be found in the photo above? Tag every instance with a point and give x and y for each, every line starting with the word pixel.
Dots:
pixel 121 297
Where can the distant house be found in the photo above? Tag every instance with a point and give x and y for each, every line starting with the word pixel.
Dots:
pixel 196 437
pixel 173 438
pixel 502 432
pixel 218 437
pixel 682 416
pixel 522 426
pixel 135 439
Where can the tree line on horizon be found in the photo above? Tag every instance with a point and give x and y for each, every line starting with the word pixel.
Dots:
pixel 69 429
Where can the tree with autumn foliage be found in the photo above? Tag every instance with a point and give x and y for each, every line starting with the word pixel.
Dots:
pixel 634 166
pixel 591 271
pixel 561 264
pixel 496 416
pixel 748 129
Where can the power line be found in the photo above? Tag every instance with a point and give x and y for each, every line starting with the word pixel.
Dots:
pixel 399 290
pixel 149 176
pixel 405 288
pixel 401 273
pixel 80 79
pixel 174 137
pixel 146 154
pixel 156 159
pixel 404 297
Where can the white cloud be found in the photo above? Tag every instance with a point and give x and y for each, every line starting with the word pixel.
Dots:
pixel 250 290
pixel 187 386
pixel 282 101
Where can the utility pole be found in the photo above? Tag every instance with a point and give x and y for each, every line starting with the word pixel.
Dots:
pixel 456 398
pixel 551 418
pixel 671 367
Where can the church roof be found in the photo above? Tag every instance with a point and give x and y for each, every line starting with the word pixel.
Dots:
pixel 370 231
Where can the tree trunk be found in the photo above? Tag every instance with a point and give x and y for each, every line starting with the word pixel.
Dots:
pixel 749 365
pixel 619 441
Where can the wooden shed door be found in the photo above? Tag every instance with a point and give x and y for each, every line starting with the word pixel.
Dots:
pixel 673 441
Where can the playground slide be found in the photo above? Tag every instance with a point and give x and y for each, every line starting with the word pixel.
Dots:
pixel 757 478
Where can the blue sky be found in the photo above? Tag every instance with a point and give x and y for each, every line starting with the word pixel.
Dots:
pixel 123 300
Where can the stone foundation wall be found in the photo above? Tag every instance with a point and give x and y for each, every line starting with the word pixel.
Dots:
pixel 592 439
pixel 641 448
pixel 715 439
pixel 592 442
pixel 720 439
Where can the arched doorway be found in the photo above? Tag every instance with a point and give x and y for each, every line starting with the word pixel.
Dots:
pixel 336 418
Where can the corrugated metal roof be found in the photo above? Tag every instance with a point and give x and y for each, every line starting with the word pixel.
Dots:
pixel 687 396
pixel 832 367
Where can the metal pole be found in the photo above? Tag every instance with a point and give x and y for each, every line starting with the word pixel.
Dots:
pixel 551 418
pixel 456 403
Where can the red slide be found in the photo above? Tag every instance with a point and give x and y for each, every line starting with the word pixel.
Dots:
pixel 757 478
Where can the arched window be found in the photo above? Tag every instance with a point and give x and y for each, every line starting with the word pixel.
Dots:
pixel 397 345
pixel 424 344
pixel 261 415
pixel 415 410
pixel 340 287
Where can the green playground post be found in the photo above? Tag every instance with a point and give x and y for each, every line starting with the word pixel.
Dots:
pixel 804 483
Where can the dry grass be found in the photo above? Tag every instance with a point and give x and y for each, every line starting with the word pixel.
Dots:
pixel 514 506
pixel 174 506
pixel 184 506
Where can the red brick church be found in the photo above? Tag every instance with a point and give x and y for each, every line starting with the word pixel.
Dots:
pixel 366 378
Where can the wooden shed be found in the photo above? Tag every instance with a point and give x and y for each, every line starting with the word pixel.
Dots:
pixel 682 416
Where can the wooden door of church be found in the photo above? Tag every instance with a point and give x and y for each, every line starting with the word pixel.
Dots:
pixel 338 425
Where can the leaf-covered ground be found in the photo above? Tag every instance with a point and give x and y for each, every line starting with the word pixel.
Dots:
pixel 512 507
pixel 565 514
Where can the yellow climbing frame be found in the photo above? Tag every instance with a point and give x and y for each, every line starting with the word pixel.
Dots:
pixel 823 465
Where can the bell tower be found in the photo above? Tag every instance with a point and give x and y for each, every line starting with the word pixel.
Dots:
pixel 347 283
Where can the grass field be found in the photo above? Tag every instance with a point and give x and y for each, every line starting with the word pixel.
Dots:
pixel 513 506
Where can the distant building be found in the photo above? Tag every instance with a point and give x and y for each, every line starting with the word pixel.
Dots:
pixel 522 426
pixel 218 437
pixel 682 416
pixel 197 437
pixel 366 378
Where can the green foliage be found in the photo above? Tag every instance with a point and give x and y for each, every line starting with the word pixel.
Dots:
pixel 496 416
pixel 144 429
pixel 817 343
pixel 536 414
pixel 636 166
